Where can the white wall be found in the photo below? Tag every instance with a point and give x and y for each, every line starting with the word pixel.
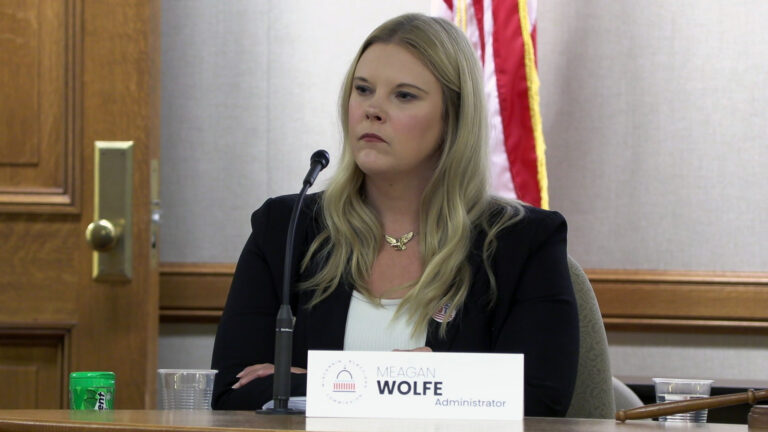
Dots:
pixel 654 116
pixel 249 90
pixel 719 357
pixel 185 346
pixel 657 134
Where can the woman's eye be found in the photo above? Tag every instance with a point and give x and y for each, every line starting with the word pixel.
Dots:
pixel 362 90
pixel 405 96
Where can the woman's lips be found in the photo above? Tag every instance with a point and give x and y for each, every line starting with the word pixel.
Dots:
pixel 371 137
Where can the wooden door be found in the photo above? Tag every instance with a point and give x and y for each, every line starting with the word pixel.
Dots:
pixel 73 72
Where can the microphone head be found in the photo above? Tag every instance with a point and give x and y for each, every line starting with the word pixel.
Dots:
pixel 321 157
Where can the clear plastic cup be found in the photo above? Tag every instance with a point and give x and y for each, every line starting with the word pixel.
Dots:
pixel 184 389
pixel 677 389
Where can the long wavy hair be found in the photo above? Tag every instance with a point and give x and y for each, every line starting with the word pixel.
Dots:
pixel 455 205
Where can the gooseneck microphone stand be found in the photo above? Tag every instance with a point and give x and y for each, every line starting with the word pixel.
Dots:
pixel 281 392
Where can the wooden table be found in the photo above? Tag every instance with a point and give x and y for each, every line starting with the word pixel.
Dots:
pixel 203 421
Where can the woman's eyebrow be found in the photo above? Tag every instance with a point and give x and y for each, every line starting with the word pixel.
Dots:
pixel 399 85
pixel 413 86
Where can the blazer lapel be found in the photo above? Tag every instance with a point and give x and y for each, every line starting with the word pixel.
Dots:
pixel 327 321
pixel 434 341
pixel 437 343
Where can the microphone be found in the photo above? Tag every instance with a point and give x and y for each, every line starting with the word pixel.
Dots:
pixel 281 390
pixel 317 162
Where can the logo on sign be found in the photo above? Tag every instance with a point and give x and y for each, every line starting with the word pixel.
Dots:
pixel 344 382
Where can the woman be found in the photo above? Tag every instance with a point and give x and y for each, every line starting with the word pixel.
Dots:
pixel 406 249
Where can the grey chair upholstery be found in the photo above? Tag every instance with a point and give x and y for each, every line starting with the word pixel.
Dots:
pixel 624 397
pixel 593 395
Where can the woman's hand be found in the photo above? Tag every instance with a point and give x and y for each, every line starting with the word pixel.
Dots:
pixel 258 371
pixel 419 349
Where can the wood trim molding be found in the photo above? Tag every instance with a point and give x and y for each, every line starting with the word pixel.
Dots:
pixel 194 292
pixel 652 300
pixel 630 300
pixel 658 325
pixel 47 327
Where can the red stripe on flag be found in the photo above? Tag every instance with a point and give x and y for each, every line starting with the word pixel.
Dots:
pixel 509 57
pixel 478 4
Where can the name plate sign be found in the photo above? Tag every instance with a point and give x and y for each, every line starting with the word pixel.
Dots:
pixel 415 385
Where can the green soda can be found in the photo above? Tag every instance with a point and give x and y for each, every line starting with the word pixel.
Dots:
pixel 91 390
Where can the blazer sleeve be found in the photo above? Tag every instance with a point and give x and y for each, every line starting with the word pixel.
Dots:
pixel 246 332
pixel 537 313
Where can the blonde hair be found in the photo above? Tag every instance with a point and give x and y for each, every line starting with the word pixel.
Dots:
pixel 455 204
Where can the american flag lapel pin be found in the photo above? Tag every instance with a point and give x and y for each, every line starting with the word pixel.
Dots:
pixel 442 313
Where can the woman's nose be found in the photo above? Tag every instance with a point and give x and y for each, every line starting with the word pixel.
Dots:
pixel 373 113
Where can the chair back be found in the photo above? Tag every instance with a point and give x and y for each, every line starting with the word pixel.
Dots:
pixel 624 396
pixel 593 394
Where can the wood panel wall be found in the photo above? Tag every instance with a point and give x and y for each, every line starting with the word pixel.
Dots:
pixel 39 170
pixel 630 300
pixel 33 362
pixel 39 180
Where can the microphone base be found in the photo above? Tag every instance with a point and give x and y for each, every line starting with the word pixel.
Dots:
pixel 280 411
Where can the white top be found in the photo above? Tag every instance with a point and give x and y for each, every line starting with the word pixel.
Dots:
pixel 373 327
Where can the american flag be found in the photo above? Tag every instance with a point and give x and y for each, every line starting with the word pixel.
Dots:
pixel 503 34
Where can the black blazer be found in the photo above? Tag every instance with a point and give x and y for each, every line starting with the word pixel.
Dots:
pixel 534 314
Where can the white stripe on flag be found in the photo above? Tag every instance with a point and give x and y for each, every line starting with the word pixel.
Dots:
pixel 473 32
pixel 532 7
pixel 439 9
pixel 501 177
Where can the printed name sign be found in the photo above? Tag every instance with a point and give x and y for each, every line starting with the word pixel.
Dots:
pixel 415 385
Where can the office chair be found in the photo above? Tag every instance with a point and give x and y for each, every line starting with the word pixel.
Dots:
pixel 593 394
pixel 624 397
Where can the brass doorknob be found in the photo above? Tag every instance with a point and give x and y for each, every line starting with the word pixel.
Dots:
pixel 102 235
